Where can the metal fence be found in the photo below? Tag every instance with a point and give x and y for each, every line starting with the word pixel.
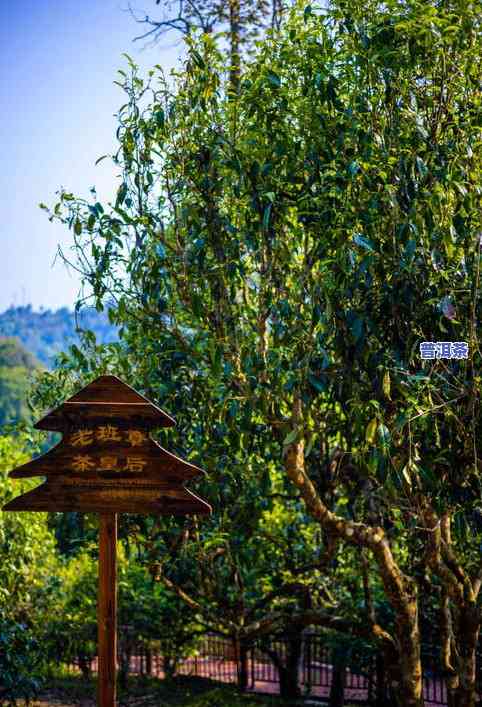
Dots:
pixel 217 658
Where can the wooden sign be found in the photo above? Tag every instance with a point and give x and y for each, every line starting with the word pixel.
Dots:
pixel 106 462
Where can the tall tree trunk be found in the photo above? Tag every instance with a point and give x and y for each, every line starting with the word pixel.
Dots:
pixel 241 656
pixel 288 674
pixel 467 638
pixel 235 41
pixel 84 665
pixel 337 690
pixel 447 640
pixel 381 684
pixel 463 591
pixel 400 589
pixel 170 666
pixel 125 663
pixel 288 683
pixel 295 645
pixel 408 693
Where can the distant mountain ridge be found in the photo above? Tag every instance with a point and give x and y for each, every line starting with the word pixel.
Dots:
pixel 46 332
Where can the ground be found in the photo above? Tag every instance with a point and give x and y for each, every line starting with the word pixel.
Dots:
pixel 145 692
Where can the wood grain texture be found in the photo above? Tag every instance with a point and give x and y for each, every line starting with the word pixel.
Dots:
pixel 109 397
pixel 97 498
pixel 107 611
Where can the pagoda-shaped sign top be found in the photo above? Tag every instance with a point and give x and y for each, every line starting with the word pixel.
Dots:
pixel 106 397
pixel 106 461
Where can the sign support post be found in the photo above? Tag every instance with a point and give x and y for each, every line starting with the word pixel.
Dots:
pixel 107 611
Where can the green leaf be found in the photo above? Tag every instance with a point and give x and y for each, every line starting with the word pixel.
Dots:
pixel 121 194
pixel 364 242
pixel 353 168
pixel 198 59
pixel 406 474
pixel 273 79
pixel 356 328
pixel 266 216
pixel 310 444
pixel 371 431
pixel 77 227
pixel 160 117
pixel 421 166
pixel 320 387
pixel 410 249
pixel 290 437
pixel 384 435
pixel 386 384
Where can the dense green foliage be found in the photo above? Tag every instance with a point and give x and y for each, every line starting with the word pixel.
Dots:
pixel 46 333
pixel 27 564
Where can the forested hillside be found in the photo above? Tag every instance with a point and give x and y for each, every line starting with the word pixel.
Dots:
pixel 45 333
pixel 16 364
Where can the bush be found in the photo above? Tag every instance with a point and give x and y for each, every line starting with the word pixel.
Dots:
pixel 20 662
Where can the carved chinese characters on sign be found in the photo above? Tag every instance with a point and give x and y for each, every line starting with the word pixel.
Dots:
pixel 82 438
pixel 82 462
pixel 135 437
pixel 107 433
pixel 108 463
pixel 111 460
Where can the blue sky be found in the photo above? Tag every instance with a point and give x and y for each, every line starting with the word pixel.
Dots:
pixel 59 59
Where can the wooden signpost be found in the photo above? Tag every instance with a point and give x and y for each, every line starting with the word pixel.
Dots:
pixel 106 462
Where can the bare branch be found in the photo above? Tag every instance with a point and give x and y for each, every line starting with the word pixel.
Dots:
pixel 159 27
